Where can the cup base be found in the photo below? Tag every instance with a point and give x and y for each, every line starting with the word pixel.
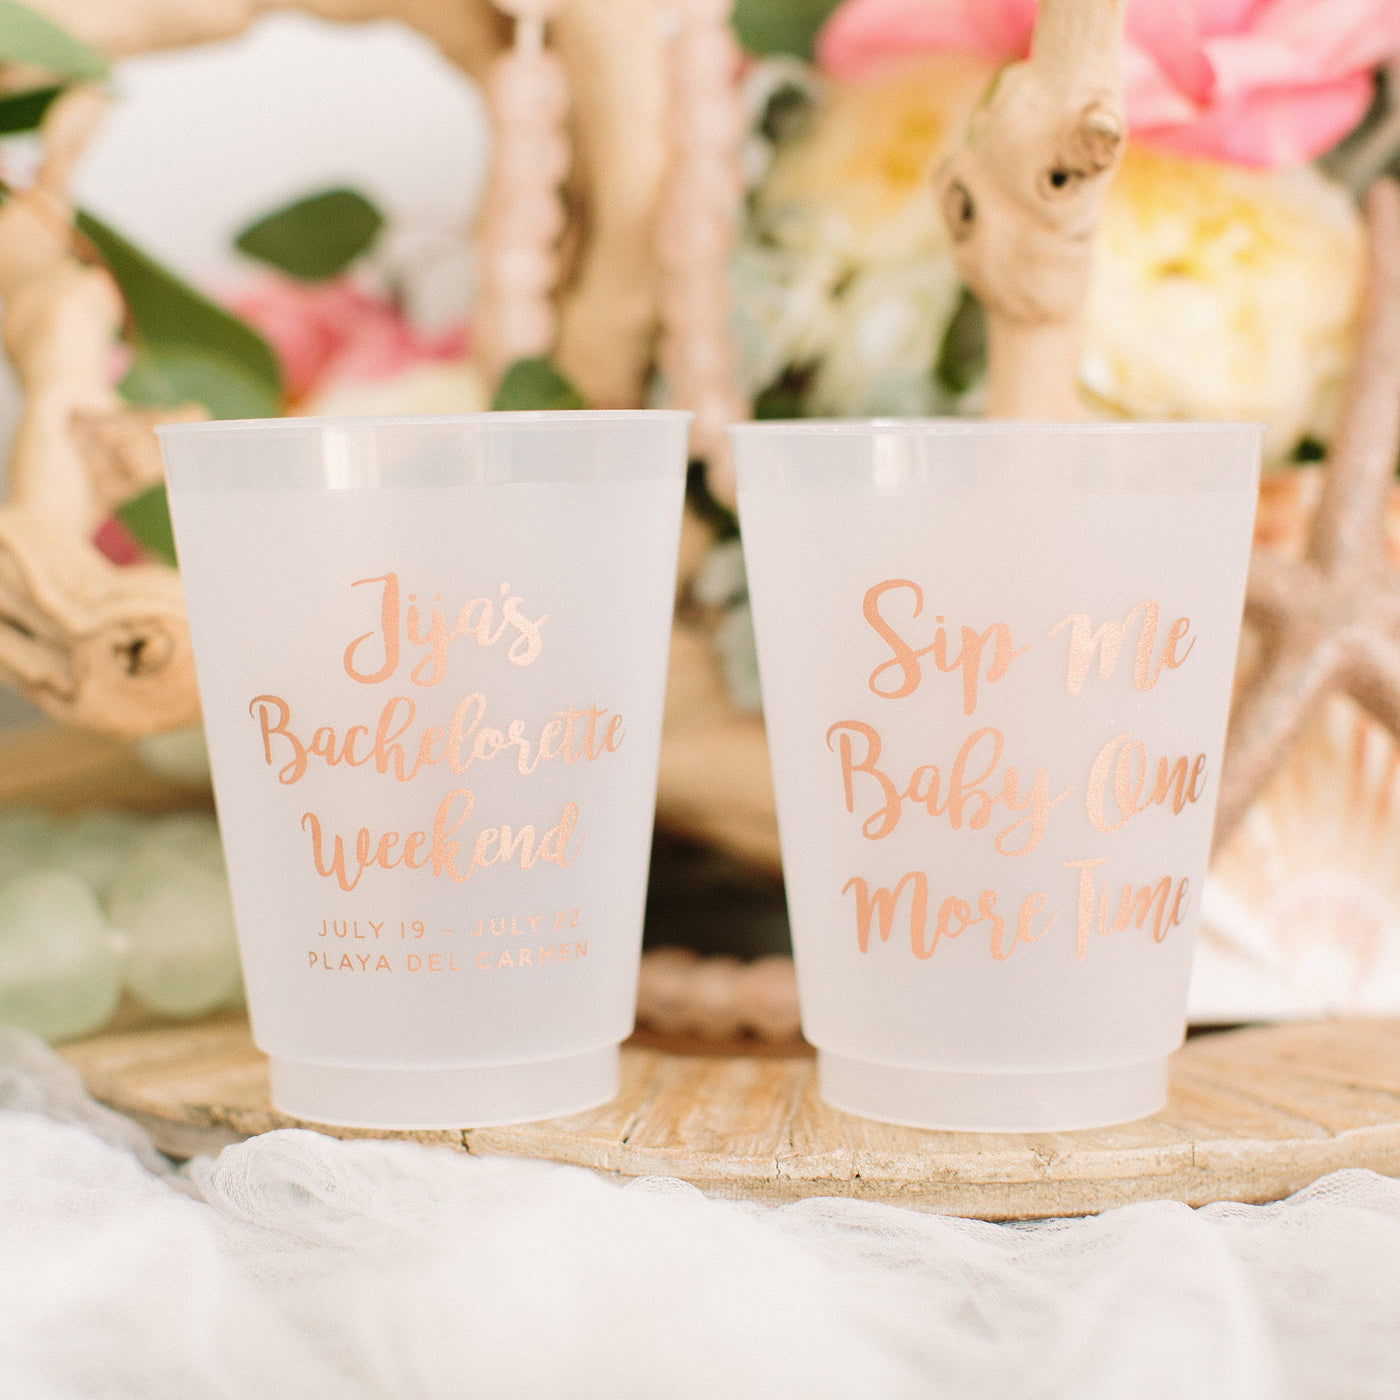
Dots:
pixel 977 1101
pixel 444 1096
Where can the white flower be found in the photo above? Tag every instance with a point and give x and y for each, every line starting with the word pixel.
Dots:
pixel 846 268
pixel 889 323
pixel 1220 292
pixel 784 311
pixel 721 581
pixel 738 656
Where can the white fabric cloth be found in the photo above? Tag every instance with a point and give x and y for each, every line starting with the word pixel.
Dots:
pixel 297 1265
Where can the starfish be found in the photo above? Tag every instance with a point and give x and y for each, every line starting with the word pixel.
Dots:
pixel 1331 620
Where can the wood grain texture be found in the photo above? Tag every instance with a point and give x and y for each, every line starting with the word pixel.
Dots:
pixel 63 769
pixel 1254 1115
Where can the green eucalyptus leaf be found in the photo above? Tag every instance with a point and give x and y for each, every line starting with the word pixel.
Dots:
pixel 962 358
pixel 787 114
pixel 316 237
pixel 780 26
pixel 23 111
pixel 786 396
pixel 194 340
pixel 535 384
pixel 28 37
pixel 147 521
pixel 719 517
pixel 164 376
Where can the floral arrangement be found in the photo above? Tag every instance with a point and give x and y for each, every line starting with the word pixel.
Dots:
pixel 1227 274
pixel 1264 83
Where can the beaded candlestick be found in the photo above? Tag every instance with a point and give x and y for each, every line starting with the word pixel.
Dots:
pixel 523 216
pixel 699 222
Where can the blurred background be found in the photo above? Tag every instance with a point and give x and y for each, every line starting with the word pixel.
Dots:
pixel 202 141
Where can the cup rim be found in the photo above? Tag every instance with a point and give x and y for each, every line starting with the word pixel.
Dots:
pixel 523 418
pixel 995 427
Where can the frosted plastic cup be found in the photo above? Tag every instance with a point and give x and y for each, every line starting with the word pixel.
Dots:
pixel 996 662
pixel 432 658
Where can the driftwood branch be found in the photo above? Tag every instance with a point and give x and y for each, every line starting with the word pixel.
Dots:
pixel 1331 620
pixel 61 318
pixel 90 643
pixel 1351 514
pixel 1021 199
pixel 607 320
pixel 107 647
pixel 121 452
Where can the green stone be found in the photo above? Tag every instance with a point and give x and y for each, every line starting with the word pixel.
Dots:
pixel 174 911
pixel 94 847
pixel 25 834
pixel 60 975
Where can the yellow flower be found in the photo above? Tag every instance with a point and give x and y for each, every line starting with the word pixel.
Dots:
pixel 1217 292
pixel 1220 292
pixel 431 386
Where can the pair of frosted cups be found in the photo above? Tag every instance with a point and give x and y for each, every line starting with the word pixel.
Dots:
pixel 996 664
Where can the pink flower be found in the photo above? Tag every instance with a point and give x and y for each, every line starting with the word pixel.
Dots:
pixel 115 541
pixel 1255 82
pixel 331 331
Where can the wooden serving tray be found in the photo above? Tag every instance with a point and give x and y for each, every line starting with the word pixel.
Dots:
pixel 70 770
pixel 1254 1115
